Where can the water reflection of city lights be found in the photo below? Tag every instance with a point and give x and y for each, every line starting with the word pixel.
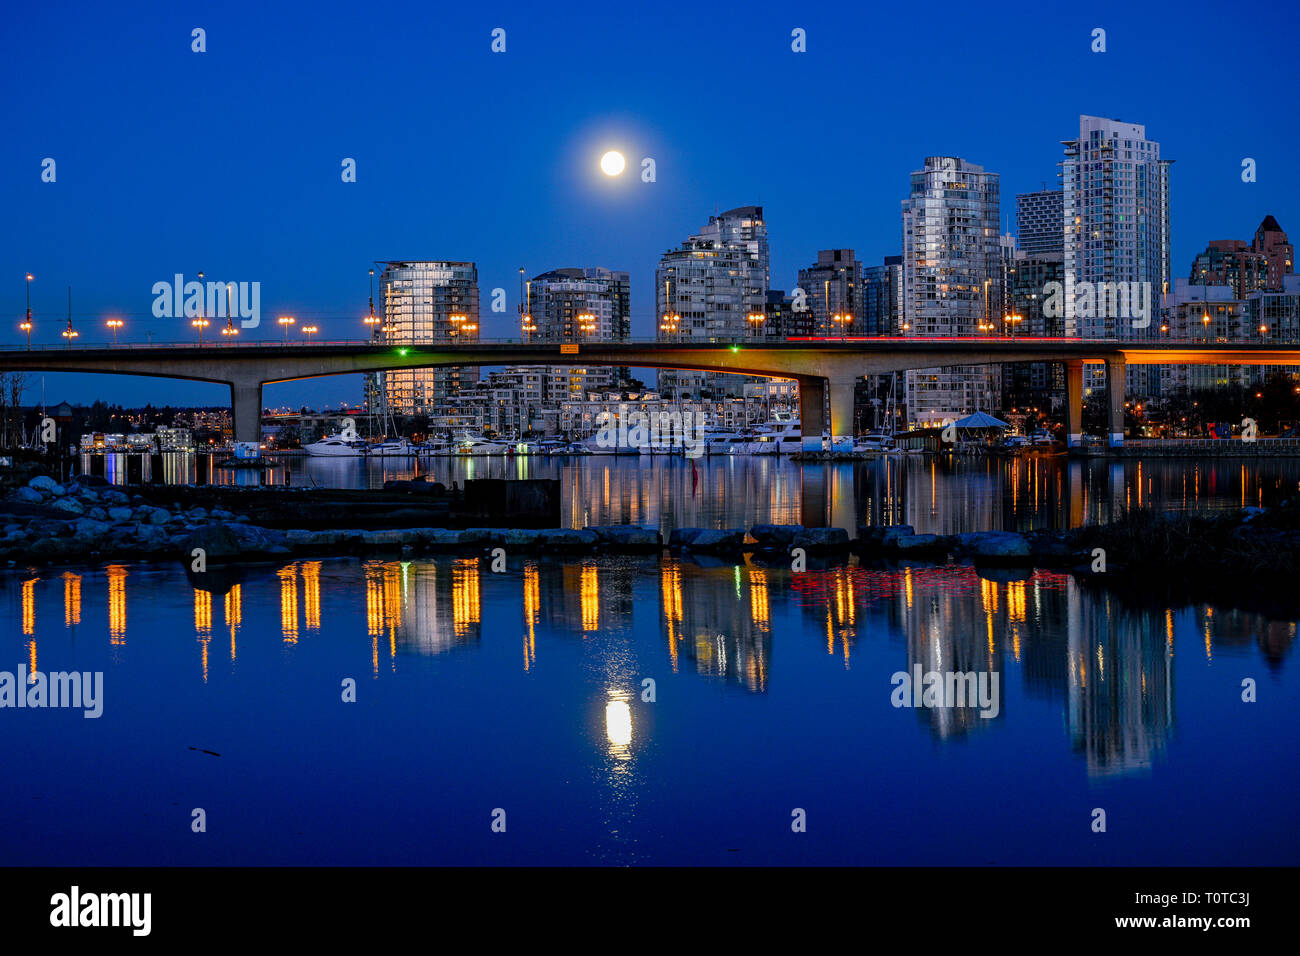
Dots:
pixel 29 606
pixel 71 599
pixel 116 603
pixel 289 603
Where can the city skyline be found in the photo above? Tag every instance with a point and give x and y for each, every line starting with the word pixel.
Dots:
pixel 168 198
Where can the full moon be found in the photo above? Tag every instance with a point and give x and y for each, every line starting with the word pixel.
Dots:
pixel 611 164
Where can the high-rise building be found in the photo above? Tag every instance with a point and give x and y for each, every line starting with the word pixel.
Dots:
pixel 1231 263
pixel 882 297
pixel 714 286
pixel 1037 384
pixel 833 286
pixel 1263 264
pixel 426 302
pixel 952 280
pixel 574 305
pixel 1278 251
pixel 784 320
pixel 1115 208
pixel 1040 222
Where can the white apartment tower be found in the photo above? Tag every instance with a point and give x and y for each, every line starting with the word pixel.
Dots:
pixel 714 286
pixel 1115 206
pixel 952 281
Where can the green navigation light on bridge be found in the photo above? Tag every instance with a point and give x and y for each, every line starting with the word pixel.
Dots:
pixel 735 348
pixel 401 351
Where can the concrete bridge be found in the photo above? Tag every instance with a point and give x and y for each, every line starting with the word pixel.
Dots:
pixel 824 368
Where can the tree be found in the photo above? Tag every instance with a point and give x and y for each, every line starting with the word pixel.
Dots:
pixel 12 386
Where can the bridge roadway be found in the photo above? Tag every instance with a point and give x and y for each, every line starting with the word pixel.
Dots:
pixel 824 368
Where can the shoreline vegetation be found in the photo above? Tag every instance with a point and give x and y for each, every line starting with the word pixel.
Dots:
pixel 1248 555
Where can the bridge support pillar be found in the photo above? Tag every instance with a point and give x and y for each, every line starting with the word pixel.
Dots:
pixel 1074 404
pixel 842 411
pixel 246 410
pixel 812 412
pixel 1115 380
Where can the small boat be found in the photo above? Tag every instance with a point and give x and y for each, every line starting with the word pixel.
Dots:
pixel 396 448
pixel 336 446
pixel 878 442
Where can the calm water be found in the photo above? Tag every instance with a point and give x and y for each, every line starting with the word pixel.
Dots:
pixel 523 691
pixel 932 495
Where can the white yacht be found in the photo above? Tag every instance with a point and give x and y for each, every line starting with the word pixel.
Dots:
pixel 394 448
pixel 336 446
pixel 476 446
pixel 877 441
pixel 722 441
pixel 780 436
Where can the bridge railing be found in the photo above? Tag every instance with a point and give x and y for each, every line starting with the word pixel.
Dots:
pixel 213 344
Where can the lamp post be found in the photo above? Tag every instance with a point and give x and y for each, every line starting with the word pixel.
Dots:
pixel 308 331
pixel 70 333
pixel 26 325
pixel 230 331
pixel 200 324
pixel 114 324
pixel 285 321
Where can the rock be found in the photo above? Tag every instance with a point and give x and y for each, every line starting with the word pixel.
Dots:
pixel 682 537
pixel 1000 545
pixel 300 538
pixel 393 538
pixel 99 514
pixel 216 540
pixel 90 528
pixel 917 543
pixel 624 537
pixel 28 495
pixel 152 538
pixel 113 498
pixel 46 485
pixel 821 540
pixel 48 549
pixel 775 537
pixel 253 538
pixel 69 505
pixel 90 481
pixel 520 538
pixel 219 514
pixel 197 514
pixel 726 541
pixel 119 513
pixel 147 514
pixel 568 539
pixel 874 537
pixel 84 492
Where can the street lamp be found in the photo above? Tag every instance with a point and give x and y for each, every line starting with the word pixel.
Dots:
pixel 1263 331
pixel 372 320
pixel 200 324
pixel 1014 320
pixel 309 330
pixel 286 321
pixel 26 325
pixel 586 323
pixel 70 333
pixel 755 319
pixel 230 331
pixel 114 324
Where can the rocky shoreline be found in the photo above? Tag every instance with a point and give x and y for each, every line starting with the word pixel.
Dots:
pixel 81 522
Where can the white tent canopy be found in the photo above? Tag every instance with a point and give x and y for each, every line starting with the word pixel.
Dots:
pixel 981 420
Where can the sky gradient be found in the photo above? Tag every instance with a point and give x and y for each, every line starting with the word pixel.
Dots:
pixel 229 161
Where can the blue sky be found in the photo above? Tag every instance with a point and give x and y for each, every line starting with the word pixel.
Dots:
pixel 229 161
